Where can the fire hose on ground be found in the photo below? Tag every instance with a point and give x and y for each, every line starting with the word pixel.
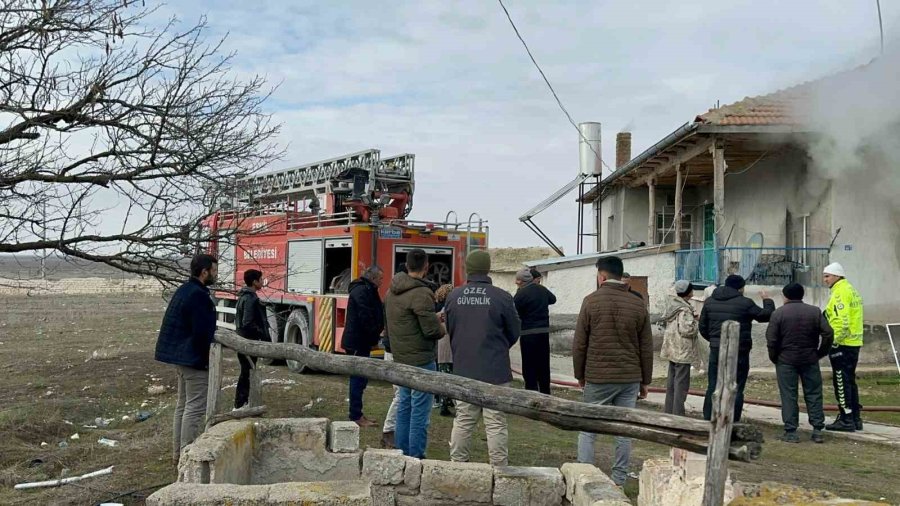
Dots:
pixel 756 402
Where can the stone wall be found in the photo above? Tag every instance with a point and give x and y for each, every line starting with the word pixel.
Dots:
pixel 78 286
pixel 316 462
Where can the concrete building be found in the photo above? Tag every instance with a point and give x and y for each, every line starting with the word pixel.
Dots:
pixel 761 188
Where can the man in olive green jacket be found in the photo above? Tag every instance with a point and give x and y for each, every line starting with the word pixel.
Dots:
pixel 414 330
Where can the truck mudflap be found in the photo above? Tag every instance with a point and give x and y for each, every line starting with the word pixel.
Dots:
pixel 325 324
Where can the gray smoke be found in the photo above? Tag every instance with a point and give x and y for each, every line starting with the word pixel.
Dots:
pixel 855 117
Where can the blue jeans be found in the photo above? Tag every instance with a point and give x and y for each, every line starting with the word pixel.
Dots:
pixel 617 394
pixel 413 418
pixel 357 387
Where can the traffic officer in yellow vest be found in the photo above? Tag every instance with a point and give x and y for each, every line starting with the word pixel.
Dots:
pixel 845 315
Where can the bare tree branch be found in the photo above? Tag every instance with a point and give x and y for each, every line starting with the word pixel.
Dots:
pixel 118 139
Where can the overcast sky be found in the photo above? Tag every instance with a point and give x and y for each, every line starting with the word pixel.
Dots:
pixel 449 81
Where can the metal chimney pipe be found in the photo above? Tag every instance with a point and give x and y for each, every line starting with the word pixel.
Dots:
pixel 589 149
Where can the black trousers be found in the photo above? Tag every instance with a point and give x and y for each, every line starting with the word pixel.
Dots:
pixel 811 378
pixel 843 364
pixel 536 362
pixel 242 393
pixel 743 370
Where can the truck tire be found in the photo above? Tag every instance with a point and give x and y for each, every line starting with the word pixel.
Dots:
pixel 296 331
pixel 276 331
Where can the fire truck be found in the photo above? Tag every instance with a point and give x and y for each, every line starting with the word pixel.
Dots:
pixel 312 229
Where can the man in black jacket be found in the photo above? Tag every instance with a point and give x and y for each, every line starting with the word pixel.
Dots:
pixel 251 323
pixel 364 325
pixel 483 326
pixel 533 303
pixel 728 303
pixel 795 349
pixel 188 328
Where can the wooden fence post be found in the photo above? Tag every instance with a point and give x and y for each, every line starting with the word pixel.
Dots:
pixel 214 392
pixel 722 416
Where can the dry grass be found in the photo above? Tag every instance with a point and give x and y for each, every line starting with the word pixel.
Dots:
pixel 50 379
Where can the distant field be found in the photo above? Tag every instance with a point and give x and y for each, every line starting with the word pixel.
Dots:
pixel 29 267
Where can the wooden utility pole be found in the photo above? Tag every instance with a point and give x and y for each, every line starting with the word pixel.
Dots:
pixel 722 416
pixel 676 431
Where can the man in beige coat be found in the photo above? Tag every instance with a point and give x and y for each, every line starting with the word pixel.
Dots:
pixel 679 346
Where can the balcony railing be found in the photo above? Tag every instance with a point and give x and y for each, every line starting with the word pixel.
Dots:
pixel 775 266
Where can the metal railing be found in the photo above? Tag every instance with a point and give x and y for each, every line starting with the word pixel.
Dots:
pixel 775 266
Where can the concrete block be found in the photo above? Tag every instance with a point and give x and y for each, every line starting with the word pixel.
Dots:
pixel 663 483
pixel 220 455
pixel 692 465
pixel 532 486
pixel 408 500
pixel 456 481
pixel 343 437
pixel 192 494
pixel 383 496
pixel 288 465
pixel 325 493
pixel 298 433
pixel 586 485
pixel 412 476
pixel 572 472
pixel 384 467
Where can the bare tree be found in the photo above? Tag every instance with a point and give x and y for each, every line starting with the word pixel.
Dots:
pixel 116 138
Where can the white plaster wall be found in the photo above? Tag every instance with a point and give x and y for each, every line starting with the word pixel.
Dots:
pixel 869 249
pixel 570 285
pixel 660 272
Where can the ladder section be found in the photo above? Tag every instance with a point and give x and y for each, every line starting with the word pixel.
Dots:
pixel 306 181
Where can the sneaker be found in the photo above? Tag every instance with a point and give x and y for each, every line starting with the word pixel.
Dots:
pixel 789 437
pixel 387 440
pixel 817 436
pixel 858 423
pixel 842 424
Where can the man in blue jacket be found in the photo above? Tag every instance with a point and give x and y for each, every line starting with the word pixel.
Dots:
pixel 365 323
pixel 483 326
pixel 188 328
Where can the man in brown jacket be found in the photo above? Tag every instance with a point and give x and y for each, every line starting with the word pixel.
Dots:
pixel 613 355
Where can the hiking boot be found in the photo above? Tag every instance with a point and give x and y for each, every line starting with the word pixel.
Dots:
pixel 842 424
pixel 387 440
pixel 789 436
pixel 817 436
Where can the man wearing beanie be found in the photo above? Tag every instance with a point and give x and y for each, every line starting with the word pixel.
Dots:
pixel 845 314
pixel 679 346
pixel 795 349
pixel 728 303
pixel 483 326
pixel 533 303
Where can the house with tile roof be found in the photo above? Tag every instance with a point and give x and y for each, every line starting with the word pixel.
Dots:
pixel 738 190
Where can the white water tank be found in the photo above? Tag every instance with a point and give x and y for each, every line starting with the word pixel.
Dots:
pixel 589 149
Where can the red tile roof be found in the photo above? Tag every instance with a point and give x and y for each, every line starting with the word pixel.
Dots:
pixel 778 108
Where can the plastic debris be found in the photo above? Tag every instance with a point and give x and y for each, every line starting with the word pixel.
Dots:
pixel 75 437
pixel 63 481
pixel 112 443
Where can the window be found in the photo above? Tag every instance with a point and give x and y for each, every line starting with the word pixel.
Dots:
pixel 665 229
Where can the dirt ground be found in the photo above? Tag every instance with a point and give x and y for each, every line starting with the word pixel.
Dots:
pixel 67 361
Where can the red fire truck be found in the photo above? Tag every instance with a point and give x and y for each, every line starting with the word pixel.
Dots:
pixel 314 228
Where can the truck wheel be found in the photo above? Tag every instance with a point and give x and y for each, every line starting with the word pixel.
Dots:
pixel 296 331
pixel 276 331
